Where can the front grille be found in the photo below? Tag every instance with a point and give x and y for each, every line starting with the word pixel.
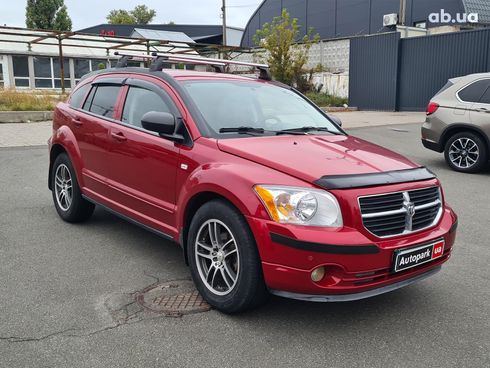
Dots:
pixel 399 213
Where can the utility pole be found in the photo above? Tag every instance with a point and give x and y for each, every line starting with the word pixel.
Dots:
pixel 403 11
pixel 223 9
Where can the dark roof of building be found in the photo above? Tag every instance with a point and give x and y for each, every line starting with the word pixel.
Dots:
pixel 481 7
pixel 200 33
pixel 194 31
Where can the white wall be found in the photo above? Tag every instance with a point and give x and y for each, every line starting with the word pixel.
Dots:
pixel 333 84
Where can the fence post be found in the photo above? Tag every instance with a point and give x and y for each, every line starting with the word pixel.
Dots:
pixel 62 64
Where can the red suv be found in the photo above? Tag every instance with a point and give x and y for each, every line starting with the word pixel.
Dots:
pixel 263 191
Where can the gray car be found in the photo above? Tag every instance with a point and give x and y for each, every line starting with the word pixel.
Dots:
pixel 458 123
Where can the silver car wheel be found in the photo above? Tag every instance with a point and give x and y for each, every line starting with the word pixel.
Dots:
pixel 464 153
pixel 217 257
pixel 63 186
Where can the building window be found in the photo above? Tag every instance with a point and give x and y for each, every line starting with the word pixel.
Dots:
pixel 42 72
pixel 57 72
pixel 21 71
pixel 85 66
pixel 82 67
pixel 47 72
pixel 98 64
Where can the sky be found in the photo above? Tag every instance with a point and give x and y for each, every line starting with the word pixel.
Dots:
pixel 86 13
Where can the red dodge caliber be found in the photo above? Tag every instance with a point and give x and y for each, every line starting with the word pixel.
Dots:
pixel 264 192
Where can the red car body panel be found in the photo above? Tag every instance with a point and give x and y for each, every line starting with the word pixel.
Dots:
pixel 153 181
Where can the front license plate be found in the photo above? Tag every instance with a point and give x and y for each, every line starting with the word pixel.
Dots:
pixel 408 258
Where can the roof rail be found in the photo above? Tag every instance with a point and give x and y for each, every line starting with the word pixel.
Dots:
pixel 125 58
pixel 159 59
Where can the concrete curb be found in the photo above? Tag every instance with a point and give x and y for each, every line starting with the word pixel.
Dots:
pixel 25 116
pixel 339 109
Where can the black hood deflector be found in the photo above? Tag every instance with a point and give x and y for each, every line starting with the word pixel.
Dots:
pixel 373 179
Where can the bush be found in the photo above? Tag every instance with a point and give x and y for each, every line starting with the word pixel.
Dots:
pixel 11 100
pixel 326 100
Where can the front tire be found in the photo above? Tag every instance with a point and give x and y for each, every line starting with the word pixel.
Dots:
pixel 67 197
pixel 223 258
pixel 466 152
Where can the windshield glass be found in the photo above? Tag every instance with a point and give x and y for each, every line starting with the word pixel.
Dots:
pixel 233 104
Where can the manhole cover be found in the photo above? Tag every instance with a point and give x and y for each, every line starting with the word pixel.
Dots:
pixel 173 298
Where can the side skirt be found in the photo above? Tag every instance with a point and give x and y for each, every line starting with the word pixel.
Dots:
pixel 131 220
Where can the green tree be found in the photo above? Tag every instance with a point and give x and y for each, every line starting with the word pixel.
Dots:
pixel 142 14
pixel 48 14
pixel 120 16
pixel 139 15
pixel 287 53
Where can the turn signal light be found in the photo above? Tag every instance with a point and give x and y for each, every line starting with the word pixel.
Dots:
pixel 431 108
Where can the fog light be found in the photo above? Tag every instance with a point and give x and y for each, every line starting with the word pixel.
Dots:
pixel 318 273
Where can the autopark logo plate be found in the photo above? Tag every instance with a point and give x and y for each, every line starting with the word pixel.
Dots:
pixel 408 258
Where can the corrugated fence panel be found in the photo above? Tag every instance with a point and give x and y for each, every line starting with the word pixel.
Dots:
pixel 426 63
pixel 373 72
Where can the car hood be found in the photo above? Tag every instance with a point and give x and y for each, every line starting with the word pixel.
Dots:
pixel 310 157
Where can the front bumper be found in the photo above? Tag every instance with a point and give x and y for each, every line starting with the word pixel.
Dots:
pixel 356 266
pixel 358 295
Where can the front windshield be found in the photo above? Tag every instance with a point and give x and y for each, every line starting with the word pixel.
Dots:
pixel 234 104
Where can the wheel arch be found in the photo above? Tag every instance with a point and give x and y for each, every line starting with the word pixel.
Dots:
pixel 65 142
pixel 460 128
pixel 56 150
pixel 193 204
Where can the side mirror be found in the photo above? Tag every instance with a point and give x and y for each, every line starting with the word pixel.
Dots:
pixel 335 119
pixel 162 123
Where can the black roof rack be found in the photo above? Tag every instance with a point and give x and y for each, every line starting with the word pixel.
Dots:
pixel 159 59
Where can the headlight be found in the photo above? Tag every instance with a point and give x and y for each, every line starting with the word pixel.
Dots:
pixel 301 206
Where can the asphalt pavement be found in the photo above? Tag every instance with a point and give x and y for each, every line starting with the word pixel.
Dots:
pixel 61 284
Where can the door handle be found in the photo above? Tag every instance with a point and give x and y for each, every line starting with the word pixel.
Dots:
pixel 77 122
pixel 118 136
pixel 483 109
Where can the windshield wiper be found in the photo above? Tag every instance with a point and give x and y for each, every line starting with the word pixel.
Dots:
pixel 243 130
pixel 307 129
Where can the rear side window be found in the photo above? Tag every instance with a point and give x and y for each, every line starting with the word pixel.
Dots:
pixel 474 91
pixel 104 100
pixel 78 96
pixel 449 84
pixel 139 101
pixel 486 97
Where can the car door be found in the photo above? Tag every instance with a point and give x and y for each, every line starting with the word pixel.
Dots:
pixel 91 125
pixel 143 164
pixel 480 112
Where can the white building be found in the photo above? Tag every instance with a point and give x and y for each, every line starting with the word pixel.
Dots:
pixel 31 59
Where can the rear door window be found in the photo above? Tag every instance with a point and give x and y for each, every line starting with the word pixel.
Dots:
pixel 78 96
pixel 103 101
pixel 475 91
pixel 90 97
pixel 139 101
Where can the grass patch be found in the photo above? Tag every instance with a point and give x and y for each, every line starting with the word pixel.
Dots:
pixel 325 100
pixel 11 100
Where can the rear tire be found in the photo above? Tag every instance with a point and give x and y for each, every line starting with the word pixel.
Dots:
pixel 224 260
pixel 466 152
pixel 67 197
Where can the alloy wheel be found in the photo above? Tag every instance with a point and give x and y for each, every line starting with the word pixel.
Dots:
pixel 63 186
pixel 464 153
pixel 217 257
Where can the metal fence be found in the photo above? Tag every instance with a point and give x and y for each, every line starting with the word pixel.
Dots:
pixel 373 72
pixel 393 74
